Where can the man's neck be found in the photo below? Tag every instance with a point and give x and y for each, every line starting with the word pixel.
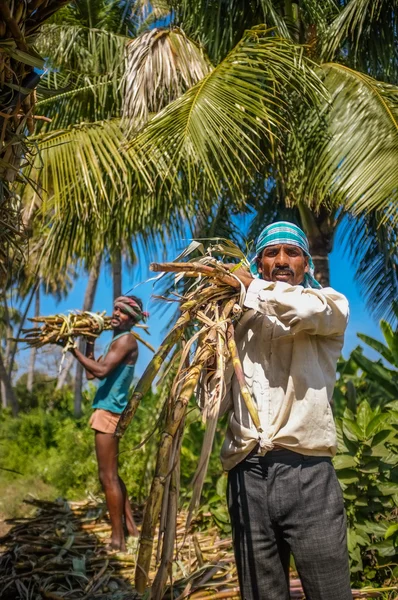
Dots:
pixel 119 331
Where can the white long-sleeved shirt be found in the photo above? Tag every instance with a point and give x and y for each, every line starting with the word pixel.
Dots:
pixel 288 344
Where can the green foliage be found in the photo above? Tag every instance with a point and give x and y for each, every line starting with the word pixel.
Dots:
pixel 47 444
pixel 44 394
pixel 361 378
pixel 367 470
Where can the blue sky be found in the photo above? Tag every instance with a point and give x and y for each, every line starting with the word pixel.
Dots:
pixel 342 279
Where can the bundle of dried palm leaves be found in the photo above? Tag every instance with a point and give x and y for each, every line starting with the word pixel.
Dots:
pixel 203 335
pixel 66 328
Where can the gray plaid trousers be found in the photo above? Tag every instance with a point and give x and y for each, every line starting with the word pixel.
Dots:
pixel 285 502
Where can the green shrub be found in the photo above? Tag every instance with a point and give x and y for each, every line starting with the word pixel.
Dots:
pixel 59 449
pixel 367 470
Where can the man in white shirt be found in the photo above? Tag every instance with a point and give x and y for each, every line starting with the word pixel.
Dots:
pixel 283 493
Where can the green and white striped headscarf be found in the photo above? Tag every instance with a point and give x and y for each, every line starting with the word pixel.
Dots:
pixel 284 232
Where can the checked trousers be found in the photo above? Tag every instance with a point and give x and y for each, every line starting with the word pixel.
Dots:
pixel 284 503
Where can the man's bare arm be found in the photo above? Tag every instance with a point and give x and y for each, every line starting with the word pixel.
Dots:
pixel 90 354
pixel 119 351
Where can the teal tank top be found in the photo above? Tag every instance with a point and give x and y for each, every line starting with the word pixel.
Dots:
pixel 112 392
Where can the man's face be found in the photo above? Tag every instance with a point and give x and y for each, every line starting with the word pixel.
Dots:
pixel 283 262
pixel 121 320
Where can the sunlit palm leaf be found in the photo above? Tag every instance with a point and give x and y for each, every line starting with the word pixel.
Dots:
pixel 215 130
pixel 365 32
pixel 160 65
pixel 85 166
pixel 86 67
pixel 77 101
pixel 220 25
pixel 92 52
pixel 354 161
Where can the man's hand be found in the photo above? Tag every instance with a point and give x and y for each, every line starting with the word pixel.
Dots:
pixel 90 348
pixel 242 274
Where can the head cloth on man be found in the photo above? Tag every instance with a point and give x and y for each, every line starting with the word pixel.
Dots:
pixel 131 307
pixel 284 232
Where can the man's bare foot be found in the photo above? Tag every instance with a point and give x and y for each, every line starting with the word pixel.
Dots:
pixel 133 530
pixel 130 527
pixel 112 545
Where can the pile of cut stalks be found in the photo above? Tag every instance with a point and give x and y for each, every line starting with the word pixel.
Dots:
pixel 58 553
pixel 55 329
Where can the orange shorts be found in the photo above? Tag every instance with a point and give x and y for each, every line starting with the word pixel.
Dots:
pixel 104 421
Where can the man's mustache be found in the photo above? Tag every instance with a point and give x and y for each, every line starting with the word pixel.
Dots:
pixel 283 270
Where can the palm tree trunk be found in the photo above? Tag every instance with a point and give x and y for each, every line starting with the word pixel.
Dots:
pixel 6 359
pixel 10 362
pixel 117 273
pixel 8 395
pixel 87 305
pixel 319 228
pixel 63 376
pixel 33 351
pixel 320 256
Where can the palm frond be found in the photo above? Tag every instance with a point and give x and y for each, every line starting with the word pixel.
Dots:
pixel 219 26
pixel 371 244
pixel 216 130
pixel 316 16
pixel 364 33
pixel 89 51
pixel 160 65
pixel 76 101
pixel 351 152
pixel 116 16
pixel 85 166
pixel 83 81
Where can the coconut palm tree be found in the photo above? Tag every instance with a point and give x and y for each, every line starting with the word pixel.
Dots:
pixel 263 126
pixel 25 286
pixel 20 22
pixel 102 86
pixel 90 197
pixel 332 163
pixel 97 196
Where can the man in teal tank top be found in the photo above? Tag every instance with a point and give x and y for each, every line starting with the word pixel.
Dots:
pixel 115 370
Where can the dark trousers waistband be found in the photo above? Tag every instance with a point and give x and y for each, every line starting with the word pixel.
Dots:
pixel 280 455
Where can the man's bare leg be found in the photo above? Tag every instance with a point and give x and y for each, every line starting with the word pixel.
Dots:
pixel 107 447
pixel 128 514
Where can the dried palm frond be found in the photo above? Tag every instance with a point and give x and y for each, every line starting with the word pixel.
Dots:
pixel 160 65
pixel 55 328
pixel 209 309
